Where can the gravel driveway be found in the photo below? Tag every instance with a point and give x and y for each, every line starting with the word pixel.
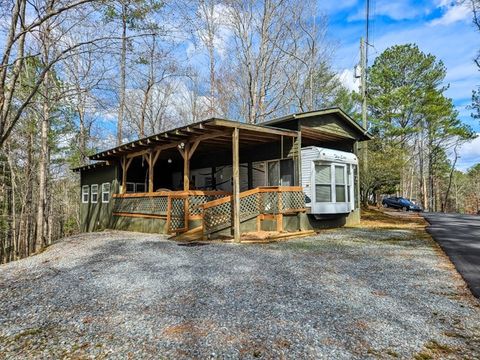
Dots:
pixel 346 293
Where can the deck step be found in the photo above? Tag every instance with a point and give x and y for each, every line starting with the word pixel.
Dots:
pixel 194 234
pixel 274 236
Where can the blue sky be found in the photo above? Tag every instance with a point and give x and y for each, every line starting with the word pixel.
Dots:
pixel 440 27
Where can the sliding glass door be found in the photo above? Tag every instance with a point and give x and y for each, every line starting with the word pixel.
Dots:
pixel 281 173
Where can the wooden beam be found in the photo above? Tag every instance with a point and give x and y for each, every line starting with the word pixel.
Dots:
pixel 193 148
pixel 157 154
pixel 125 165
pixel 156 148
pixel 253 128
pixel 236 185
pixel 279 218
pixel 298 173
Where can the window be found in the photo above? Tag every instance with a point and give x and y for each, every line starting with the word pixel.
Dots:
pixel 323 183
pixel 140 187
pixel 340 184
pixel 331 183
pixel 105 192
pixel 94 193
pixel 85 194
pixel 355 185
pixel 349 182
pixel 130 187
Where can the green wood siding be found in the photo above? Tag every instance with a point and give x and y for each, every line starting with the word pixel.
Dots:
pixel 97 216
pixel 330 123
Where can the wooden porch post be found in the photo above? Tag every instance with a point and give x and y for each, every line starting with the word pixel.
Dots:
pixel 124 174
pixel 187 154
pixel 298 171
pixel 150 172
pixel 236 186
pixel 186 168
pixel 125 165
pixel 250 175
pixel 152 159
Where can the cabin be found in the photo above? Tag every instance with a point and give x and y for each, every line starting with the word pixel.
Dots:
pixel 220 178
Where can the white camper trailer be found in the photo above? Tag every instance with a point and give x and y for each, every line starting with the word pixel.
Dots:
pixel 329 180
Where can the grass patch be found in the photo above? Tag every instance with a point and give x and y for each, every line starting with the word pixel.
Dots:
pixel 392 353
pixel 433 350
pixel 373 217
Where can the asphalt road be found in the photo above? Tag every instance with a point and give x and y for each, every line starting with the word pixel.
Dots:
pixel 459 236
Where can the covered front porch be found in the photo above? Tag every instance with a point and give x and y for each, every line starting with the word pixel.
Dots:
pixel 217 177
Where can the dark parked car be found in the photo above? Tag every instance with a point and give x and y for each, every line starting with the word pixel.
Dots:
pixel 398 202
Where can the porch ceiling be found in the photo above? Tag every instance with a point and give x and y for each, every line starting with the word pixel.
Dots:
pixel 213 134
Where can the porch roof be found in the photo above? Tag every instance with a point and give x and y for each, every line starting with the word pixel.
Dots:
pixel 91 166
pixel 213 133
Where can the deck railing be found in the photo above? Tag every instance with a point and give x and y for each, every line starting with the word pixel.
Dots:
pixel 176 207
pixel 217 214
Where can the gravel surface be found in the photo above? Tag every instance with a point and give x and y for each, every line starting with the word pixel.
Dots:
pixel 345 293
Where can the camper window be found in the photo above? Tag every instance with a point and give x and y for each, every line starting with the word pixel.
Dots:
pixel 323 183
pixel 355 185
pixel 340 183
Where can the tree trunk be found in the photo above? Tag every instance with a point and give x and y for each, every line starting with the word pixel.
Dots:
pixel 13 214
pixel 82 141
pixel 211 55
pixel 42 174
pixel 123 60
pixel 40 239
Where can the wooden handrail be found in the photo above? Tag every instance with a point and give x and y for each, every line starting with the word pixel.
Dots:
pixel 261 189
pixel 172 193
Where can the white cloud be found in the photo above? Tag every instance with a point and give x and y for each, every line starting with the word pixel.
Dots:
pixel 454 12
pixel 348 80
pixel 469 154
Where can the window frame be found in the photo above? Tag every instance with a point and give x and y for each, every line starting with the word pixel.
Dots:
pixel 126 187
pixel 87 193
pixel 344 184
pixel 106 192
pixel 323 184
pixel 92 193
pixel 143 185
